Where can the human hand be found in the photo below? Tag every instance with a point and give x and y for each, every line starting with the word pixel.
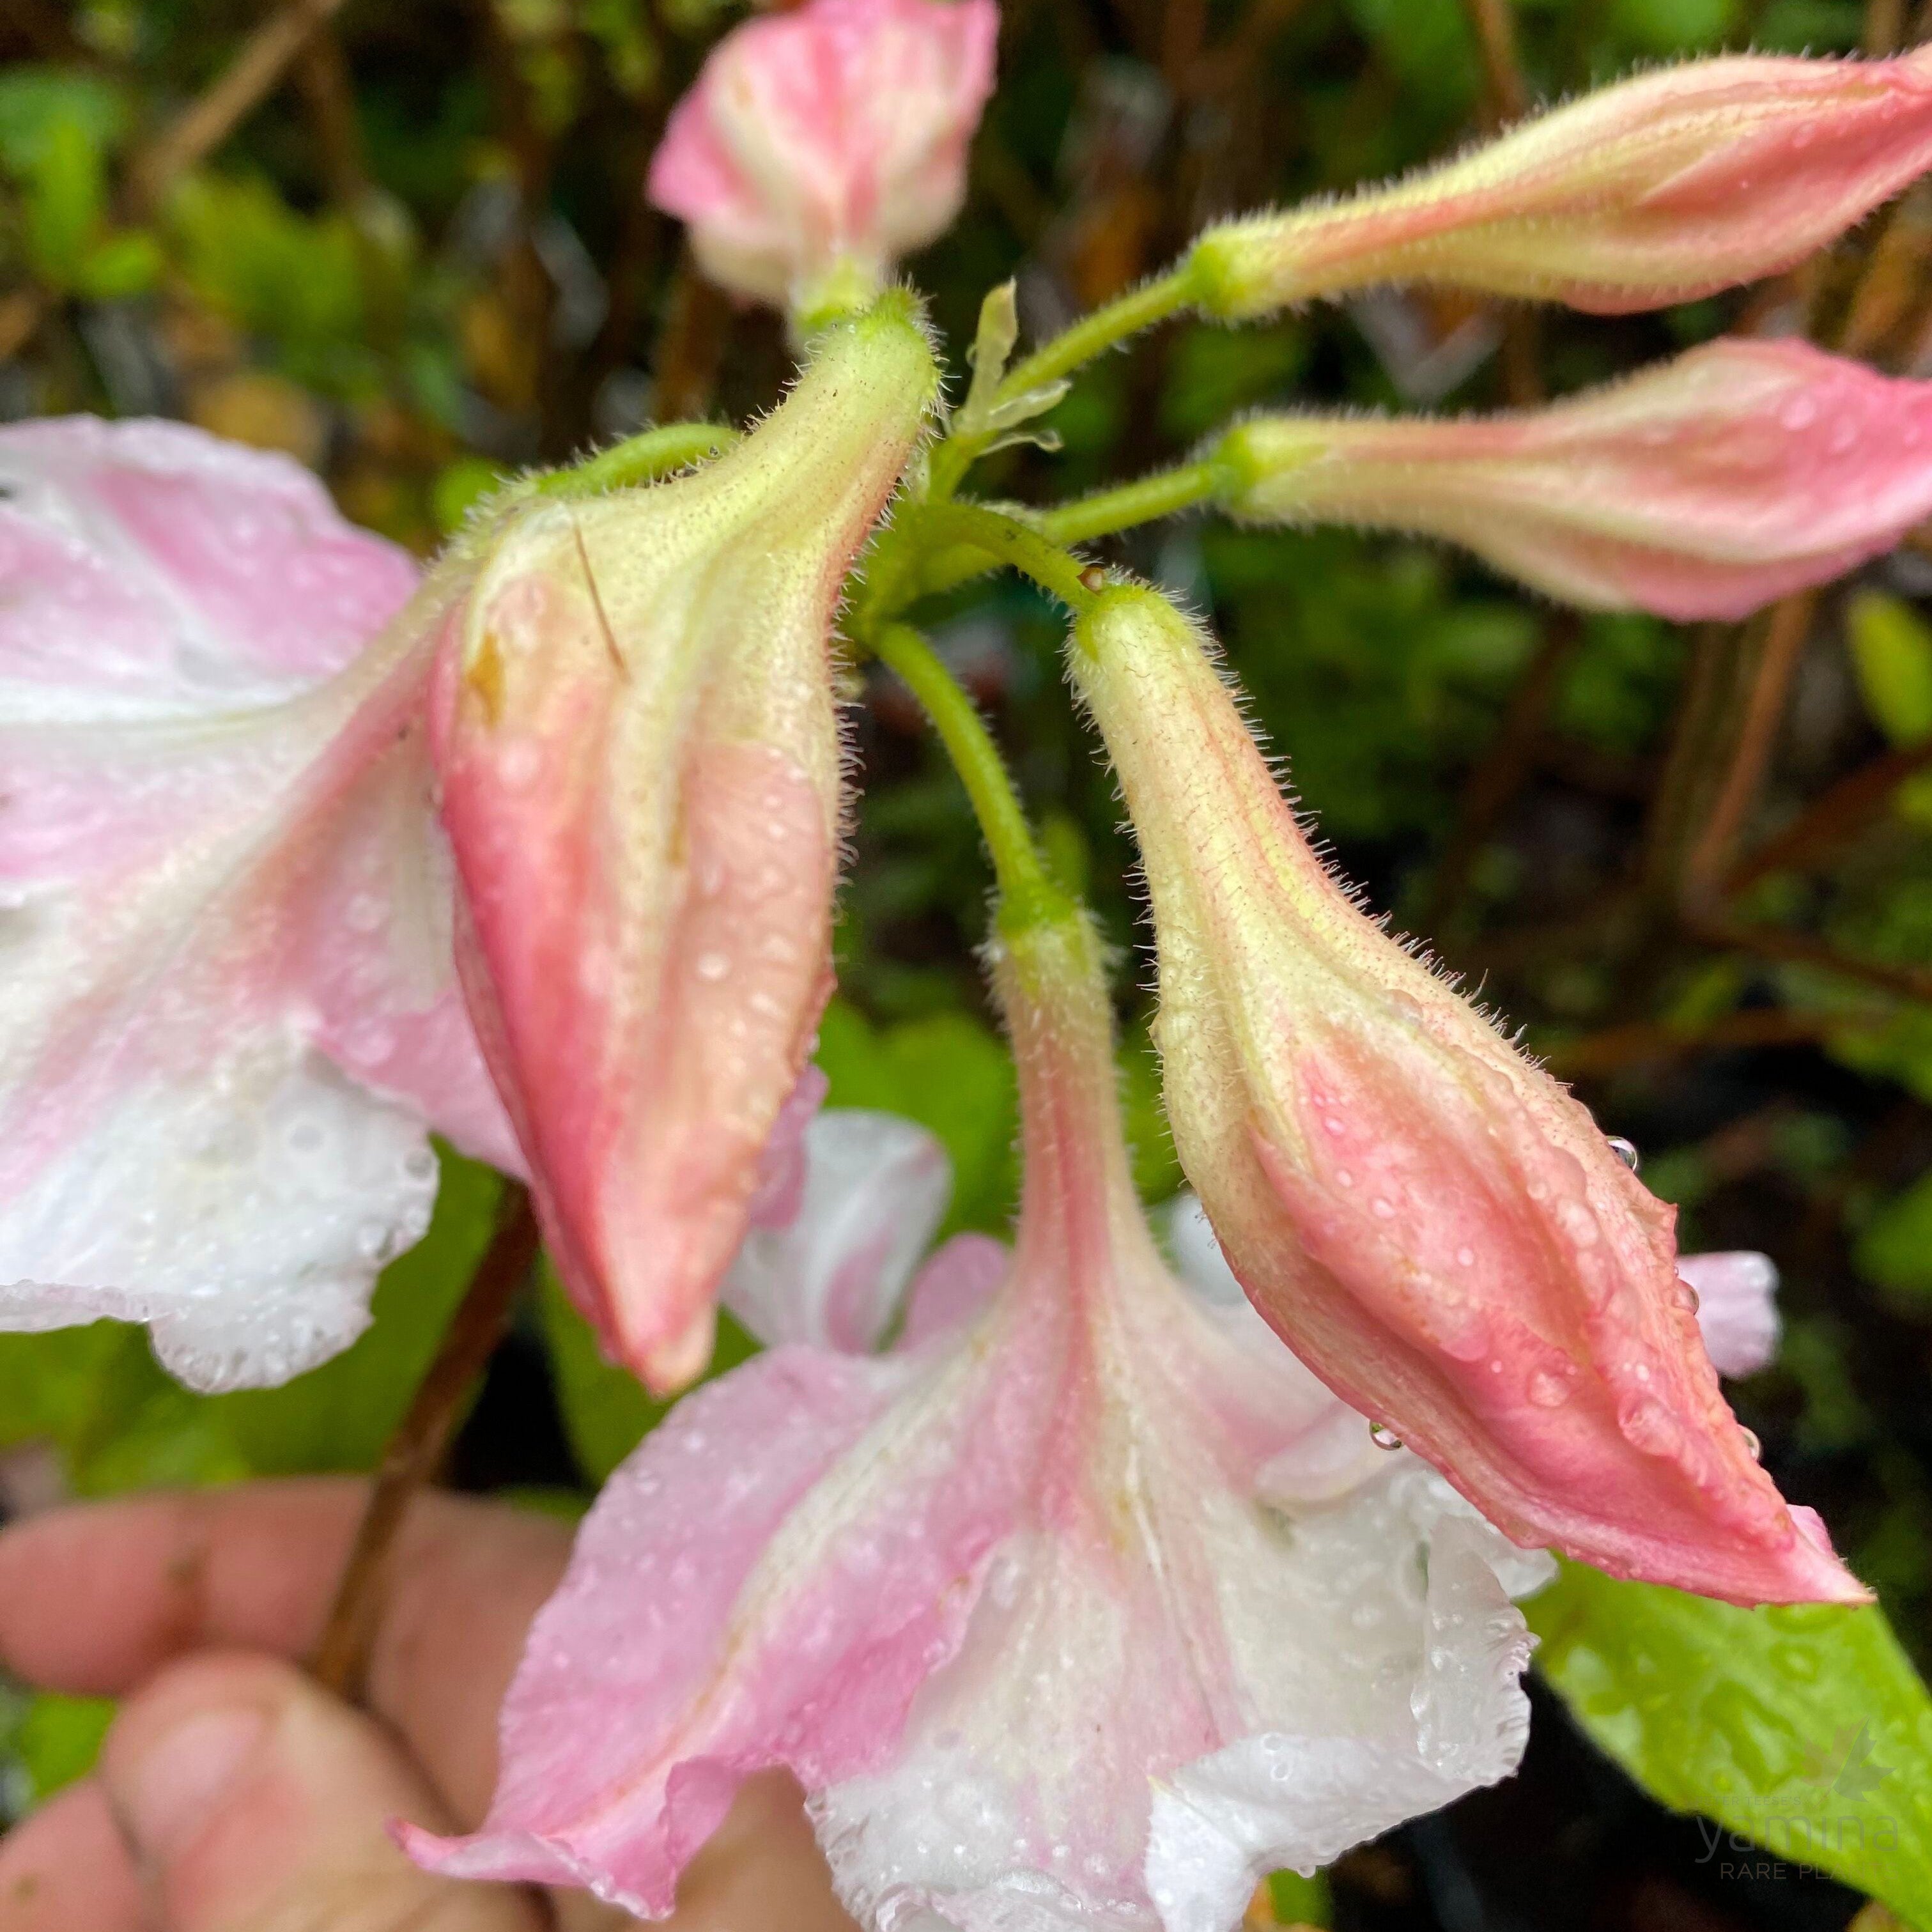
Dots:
pixel 234 1795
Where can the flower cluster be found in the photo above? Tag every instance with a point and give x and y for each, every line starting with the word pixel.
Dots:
pixel 1110 1584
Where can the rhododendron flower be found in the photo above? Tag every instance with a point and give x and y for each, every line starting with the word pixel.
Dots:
pixel 635 735
pixel 1701 488
pixel 1661 189
pixel 819 145
pixel 1434 1225
pixel 228 1010
pixel 1091 1606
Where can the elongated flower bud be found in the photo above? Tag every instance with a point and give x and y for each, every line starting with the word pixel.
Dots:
pixel 1661 189
pixel 818 146
pixel 1435 1226
pixel 640 764
pixel 1701 488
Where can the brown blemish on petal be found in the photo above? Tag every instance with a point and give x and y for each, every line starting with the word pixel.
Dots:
pixel 483 677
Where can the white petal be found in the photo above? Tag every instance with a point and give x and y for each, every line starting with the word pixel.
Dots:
pixel 876 1187
pixel 1737 1308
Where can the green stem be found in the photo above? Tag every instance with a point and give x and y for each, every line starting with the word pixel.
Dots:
pixel 643 458
pixel 1028 896
pixel 1160 495
pixel 1141 501
pixel 1006 540
pixel 1092 335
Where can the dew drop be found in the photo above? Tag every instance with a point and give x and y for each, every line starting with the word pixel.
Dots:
pixel 713 966
pixel 1751 1443
pixel 1382 1208
pixel 1547 1390
pixel 1625 1151
pixel 1384 1437
pixel 1685 1297
pixel 1465 1258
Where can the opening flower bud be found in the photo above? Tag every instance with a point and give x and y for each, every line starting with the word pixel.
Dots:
pixel 1701 488
pixel 1435 1226
pixel 818 146
pixel 635 734
pixel 1659 190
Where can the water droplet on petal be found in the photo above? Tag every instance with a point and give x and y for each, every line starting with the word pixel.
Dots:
pixel 1625 1151
pixel 1384 1437
pixel 1685 1297
pixel 713 966
pixel 1547 1389
pixel 1756 1448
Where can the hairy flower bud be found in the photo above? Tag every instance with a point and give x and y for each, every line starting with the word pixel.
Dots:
pixel 1701 488
pixel 1435 1227
pixel 819 146
pixel 1659 189
pixel 635 736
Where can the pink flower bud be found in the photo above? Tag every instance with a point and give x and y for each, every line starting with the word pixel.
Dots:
pixel 1435 1226
pixel 1701 488
pixel 635 734
pixel 1661 189
pixel 818 146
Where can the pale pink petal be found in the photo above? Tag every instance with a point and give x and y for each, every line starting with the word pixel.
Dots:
pixel 1665 188
pixel 784 1163
pixel 1702 488
pixel 954 1285
pixel 199 572
pixel 767 1581
pixel 873 1192
pixel 832 136
pixel 223 893
pixel 1737 1308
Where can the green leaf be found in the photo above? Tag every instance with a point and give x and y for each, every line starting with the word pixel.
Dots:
pixel 1804 1729
pixel 1891 652
pixel 120 265
pixel 36 101
pixel 607 1411
pixel 56 1739
pixel 1296 1900
pixel 952 1074
pixel 340 1415
pixel 1895 1250
pixel 66 201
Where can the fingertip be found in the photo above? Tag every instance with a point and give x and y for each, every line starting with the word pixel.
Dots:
pixel 67 1867
pixel 245 1789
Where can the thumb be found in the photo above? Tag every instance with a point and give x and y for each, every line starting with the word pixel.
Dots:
pixel 254 1802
